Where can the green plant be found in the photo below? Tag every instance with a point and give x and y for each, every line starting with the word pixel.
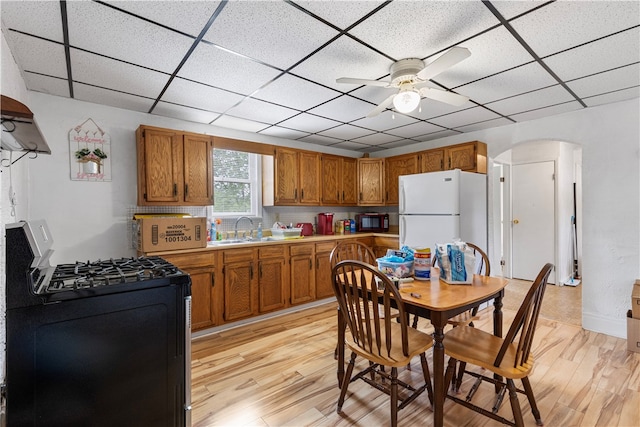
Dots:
pixel 88 155
pixel 99 153
pixel 82 152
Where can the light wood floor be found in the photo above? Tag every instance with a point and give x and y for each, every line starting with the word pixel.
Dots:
pixel 281 372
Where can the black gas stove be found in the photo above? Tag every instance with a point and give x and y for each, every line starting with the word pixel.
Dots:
pixel 112 338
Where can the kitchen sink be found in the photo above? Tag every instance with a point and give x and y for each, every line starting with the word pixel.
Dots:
pixel 240 241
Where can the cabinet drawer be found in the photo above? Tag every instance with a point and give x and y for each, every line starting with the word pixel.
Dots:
pixel 271 252
pixel 201 259
pixel 325 246
pixel 237 255
pixel 300 250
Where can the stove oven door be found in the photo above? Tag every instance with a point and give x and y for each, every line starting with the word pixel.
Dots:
pixel 110 360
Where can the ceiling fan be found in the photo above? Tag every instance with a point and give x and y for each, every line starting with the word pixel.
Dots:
pixel 411 77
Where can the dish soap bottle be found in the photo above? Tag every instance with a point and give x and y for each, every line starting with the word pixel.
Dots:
pixel 259 231
pixel 212 231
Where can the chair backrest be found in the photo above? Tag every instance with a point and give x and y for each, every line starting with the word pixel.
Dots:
pixel 354 250
pixel 524 324
pixel 483 267
pixel 364 295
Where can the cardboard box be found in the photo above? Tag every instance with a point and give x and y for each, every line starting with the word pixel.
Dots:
pixel 156 234
pixel 633 333
pixel 635 300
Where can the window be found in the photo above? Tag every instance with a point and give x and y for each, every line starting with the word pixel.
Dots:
pixel 236 188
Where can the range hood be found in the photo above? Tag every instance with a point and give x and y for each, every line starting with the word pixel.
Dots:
pixel 19 129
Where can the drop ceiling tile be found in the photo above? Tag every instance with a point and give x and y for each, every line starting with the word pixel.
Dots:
pixel 430 108
pixel 346 132
pixel 565 24
pixel 343 58
pixel 237 123
pixel 615 51
pixel 342 14
pixel 417 29
pixel 621 95
pixel 37 55
pixel 294 92
pixel 399 143
pixel 465 117
pixel 606 82
pixel 385 120
pixel 98 70
pixel 186 16
pixel 532 100
pixel 377 138
pixel 546 112
pixel 210 65
pixel 436 135
pixel 98 95
pixel 513 82
pixel 416 129
pixel 41 18
pixel 344 108
pixel 281 132
pixel 373 94
pixel 487 57
pixel 279 33
pixel 45 84
pixel 184 113
pixel 349 145
pixel 320 140
pixel 485 125
pixel 200 96
pixel 309 123
pixel 260 111
pixel 101 29
pixel 510 9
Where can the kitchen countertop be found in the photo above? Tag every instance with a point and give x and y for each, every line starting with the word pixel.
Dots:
pixel 306 239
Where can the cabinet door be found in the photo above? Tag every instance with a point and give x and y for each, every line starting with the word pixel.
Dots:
pixel 160 176
pixel 324 287
pixel 270 284
pixel 198 172
pixel 462 157
pixel 331 175
pixel 371 182
pixel 302 274
pixel 309 176
pixel 286 176
pixel 349 181
pixel 432 160
pixel 381 244
pixel 394 167
pixel 239 293
pixel 202 307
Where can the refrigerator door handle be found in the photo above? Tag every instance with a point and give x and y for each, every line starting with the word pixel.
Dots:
pixel 403 230
pixel 402 198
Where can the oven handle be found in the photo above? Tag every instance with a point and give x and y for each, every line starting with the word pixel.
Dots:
pixel 187 364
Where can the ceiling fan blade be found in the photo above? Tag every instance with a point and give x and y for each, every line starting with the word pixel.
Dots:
pixel 353 81
pixel 443 96
pixel 445 61
pixel 381 107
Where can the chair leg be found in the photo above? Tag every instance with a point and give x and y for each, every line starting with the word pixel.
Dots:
pixel 532 401
pixel 394 397
pixel 346 381
pixel 427 377
pixel 448 375
pixel 414 325
pixel 515 404
pixel 461 368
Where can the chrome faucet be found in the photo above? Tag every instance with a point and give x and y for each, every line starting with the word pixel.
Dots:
pixel 236 225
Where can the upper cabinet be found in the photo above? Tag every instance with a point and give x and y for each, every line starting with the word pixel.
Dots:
pixel 296 178
pixel 371 187
pixel 339 180
pixel 431 160
pixel 174 168
pixel 468 156
pixel 394 167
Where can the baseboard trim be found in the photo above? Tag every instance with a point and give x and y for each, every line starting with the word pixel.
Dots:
pixel 605 325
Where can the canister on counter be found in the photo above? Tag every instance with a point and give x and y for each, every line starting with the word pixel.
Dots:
pixel 347 226
pixel 339 229
pixel 422 263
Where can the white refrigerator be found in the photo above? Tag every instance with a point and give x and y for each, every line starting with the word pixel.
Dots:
pixel 438 207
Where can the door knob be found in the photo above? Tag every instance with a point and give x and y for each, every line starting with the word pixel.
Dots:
pixel 515 221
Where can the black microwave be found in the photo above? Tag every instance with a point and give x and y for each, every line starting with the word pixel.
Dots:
pixel 376 222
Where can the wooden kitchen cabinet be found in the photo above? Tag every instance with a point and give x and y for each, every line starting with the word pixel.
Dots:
pixel 273 279
pixel 431 160
pixel 339 180
pixel 381 244
pixel 206 304
pixel 240 284
pixel 296 178
pixel 468 156
pixel 174 168
pixel 371 187
pixel 302 273
pixel 406 164
pixel 324 287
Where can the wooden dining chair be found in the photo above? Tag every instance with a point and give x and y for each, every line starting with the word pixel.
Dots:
pixel 509 358
pixel 365 296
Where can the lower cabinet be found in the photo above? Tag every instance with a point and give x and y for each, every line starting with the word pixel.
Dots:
pixel 240 284
pixel 303 280
pixel 324 287
pixel 273 278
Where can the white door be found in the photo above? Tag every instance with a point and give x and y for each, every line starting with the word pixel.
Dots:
pixel 533 219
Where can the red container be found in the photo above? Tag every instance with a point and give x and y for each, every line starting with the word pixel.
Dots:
pixel 307 228
pixel 325 223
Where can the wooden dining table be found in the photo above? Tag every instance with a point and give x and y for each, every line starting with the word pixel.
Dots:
pixel 439 301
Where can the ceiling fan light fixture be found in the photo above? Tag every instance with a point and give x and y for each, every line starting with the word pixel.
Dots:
pixel 406 101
